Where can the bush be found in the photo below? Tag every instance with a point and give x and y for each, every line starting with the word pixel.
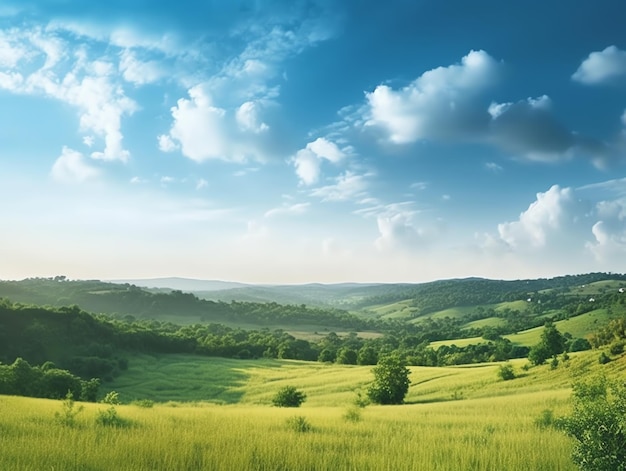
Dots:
pixel 598 426
pixel 603 358
pixel 145 403
pixel 69 411
pixel 617 347
pixel 110 418
pixel 353 414
pixel 546 419
pixel 288 396
pixel 391 381
pixel 299 424
pixel 506 372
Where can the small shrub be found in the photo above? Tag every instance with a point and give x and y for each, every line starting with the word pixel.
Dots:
pixel 353 414
pixel 145 403
pixel 604 358
pixel 112 397
pixel 288 396
pixel 69 411
pixel 360 401
pixel 617 347
pixel 299 424
pixel 554 364
pixel 506 372
pixel 110 418
pixel 546 419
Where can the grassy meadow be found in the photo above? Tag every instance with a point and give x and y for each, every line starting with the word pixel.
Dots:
pixel 454 418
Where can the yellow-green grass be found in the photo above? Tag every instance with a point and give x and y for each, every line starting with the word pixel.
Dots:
pixel 398 310
pixel 458 342
pixel 598 287
pixel 486 322
pixel 474 434
pixel 490 427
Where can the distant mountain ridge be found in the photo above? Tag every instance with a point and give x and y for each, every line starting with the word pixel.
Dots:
pixel 183 284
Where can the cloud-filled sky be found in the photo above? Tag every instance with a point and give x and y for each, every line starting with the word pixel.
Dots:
pixel 276 141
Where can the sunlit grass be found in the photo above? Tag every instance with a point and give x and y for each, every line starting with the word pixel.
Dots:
pixel 454 418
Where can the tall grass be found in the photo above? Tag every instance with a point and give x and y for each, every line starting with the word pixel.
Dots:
pixel 455 418
pixel 482 434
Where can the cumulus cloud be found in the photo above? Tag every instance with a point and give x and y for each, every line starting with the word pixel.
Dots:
pixel 601 67
pixel 72 166
pixel 529 128
pixel 549 214
pixel 86 84
pixel 199 128
pixel 137 71
pixel 609 231
pixel 447 103
pixel 248 117
pixel 308 161
pixel 443 102
pixel 399 229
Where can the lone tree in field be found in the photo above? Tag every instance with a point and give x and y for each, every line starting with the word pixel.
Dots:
pixel 391 381
pixel 552 343
pixel 288 396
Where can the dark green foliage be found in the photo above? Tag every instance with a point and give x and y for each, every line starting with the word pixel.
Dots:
pixel 579 345
pixel 347 356
pixel 552 343
pixel 506 372
pixel 299 424
pixel 617 347
pixel 391 381
pixel 22 379
pixel 288 396
pixel 598 426
pixel 604 358
pixel 367 356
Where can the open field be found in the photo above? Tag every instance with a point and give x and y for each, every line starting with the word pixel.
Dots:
pixel 454 418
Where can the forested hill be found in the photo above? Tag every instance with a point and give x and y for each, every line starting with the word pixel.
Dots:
pixel 438 295
pixel 132 302
pixel 325 304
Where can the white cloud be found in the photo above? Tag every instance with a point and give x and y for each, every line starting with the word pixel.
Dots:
pixel 551 213
pixel 202 183
pixel 166 144
pixel 348 186
pixel 71 166
pixel 88 85
pixel 601 67
pixel 248 117
pixel 440 103
pixel 139 72
pixel 199 128
pixel 609 231
pixel 399 230
pixel 288 209
pixel 307 166
pixel 308 161
pixel 325 149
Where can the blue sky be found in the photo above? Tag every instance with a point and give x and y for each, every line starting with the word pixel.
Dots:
pixel 312 141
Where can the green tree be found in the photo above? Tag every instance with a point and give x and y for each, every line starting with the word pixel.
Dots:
pixel 288 396
pixel 598 425
pixel 551 344
pixel 391 381
pixel 346 356
pixel 367 356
